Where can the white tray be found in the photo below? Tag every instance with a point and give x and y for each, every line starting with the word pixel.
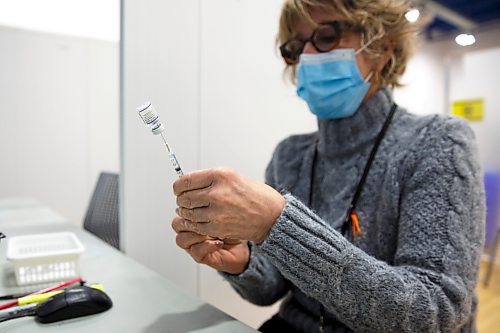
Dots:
pixel 44 257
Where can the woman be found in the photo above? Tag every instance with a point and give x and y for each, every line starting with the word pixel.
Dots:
pixel 374 223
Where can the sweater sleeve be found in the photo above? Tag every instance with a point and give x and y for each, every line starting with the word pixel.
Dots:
pixel 261 283
pixel 429 286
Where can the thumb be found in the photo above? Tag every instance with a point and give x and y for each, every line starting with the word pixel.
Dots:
pixel 201 250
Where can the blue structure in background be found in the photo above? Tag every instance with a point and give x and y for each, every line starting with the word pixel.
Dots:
pixel 492 186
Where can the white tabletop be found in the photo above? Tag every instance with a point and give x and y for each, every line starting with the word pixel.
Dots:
pixel 26 212
pixel 143 301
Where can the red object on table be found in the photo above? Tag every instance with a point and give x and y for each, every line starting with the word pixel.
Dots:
pixel 46 290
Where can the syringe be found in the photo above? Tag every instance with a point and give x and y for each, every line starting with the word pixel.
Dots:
pixel 151 119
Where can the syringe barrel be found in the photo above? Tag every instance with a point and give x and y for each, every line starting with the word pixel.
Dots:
pixel 176 165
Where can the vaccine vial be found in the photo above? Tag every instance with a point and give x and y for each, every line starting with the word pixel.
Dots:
pixel 150 117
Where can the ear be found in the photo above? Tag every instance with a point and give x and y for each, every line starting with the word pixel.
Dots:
pixel 389 46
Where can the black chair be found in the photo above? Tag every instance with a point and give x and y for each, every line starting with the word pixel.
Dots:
pixel 102 218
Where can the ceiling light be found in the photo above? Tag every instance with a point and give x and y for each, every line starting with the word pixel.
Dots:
pixel 412 15
pixel 465 39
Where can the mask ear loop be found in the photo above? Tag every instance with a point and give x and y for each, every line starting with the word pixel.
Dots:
pixel 368 77
pixel 362 48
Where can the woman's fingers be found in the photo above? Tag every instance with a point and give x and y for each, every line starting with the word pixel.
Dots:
pixel 193 181
pixel 201 214
pixel 180 224
pixel 187 239
pixel 200 251
pixel 200 188
pixel 198 246
pixel 194 198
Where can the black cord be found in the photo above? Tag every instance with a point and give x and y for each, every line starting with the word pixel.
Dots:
pixel 15 317
pixel 18 312
pixel 11 296
pixel 366 170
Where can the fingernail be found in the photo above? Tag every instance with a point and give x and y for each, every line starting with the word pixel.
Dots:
pixel 219 243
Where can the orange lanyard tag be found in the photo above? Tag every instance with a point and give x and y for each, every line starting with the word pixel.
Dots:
pixel 356 229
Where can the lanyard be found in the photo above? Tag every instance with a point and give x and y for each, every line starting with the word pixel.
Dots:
pixel 351 217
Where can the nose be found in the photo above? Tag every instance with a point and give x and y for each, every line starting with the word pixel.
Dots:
pixel 309 48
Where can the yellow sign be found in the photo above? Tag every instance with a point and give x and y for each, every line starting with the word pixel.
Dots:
pixel 471 109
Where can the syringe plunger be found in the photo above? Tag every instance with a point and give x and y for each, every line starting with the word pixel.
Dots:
pixel 150 117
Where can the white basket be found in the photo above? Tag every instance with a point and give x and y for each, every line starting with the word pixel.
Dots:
pixel 44 257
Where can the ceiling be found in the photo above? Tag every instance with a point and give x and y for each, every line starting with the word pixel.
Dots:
pixel 95 19
pixel 485 13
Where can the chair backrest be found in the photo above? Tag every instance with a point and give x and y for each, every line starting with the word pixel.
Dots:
pixel 102 218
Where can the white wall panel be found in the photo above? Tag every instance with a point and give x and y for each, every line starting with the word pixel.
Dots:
pixel 50 87
pixel 9 153
pixel 424 82
pixel 474 75
pixel 52 121
pixel 161 64
pixel 247 107
pixel 103 108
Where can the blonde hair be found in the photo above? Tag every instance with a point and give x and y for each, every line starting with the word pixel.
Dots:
pixel 381 20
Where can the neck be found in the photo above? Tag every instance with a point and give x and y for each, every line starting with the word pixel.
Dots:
pixel 346 136
pixel 374 88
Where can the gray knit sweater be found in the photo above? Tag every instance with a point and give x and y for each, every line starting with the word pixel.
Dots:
pixel 421 212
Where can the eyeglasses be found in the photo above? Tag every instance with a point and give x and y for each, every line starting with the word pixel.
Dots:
pixel 324 38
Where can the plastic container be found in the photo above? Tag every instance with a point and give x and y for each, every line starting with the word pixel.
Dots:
pixel 44 257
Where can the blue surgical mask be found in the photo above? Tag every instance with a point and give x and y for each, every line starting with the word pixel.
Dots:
pixel 331 83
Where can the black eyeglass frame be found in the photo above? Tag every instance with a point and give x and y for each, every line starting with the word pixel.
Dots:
pixel 338 26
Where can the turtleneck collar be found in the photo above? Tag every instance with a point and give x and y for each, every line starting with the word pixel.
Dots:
pixel 345 136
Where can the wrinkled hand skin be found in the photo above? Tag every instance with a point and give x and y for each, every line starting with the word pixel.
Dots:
pixel 226 256
pixel 221 204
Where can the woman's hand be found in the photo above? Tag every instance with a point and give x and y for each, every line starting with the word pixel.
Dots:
pixel 226 256
pixel 222 204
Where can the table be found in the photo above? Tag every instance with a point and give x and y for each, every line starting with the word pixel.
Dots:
pixel 26 212
pixel 143 301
